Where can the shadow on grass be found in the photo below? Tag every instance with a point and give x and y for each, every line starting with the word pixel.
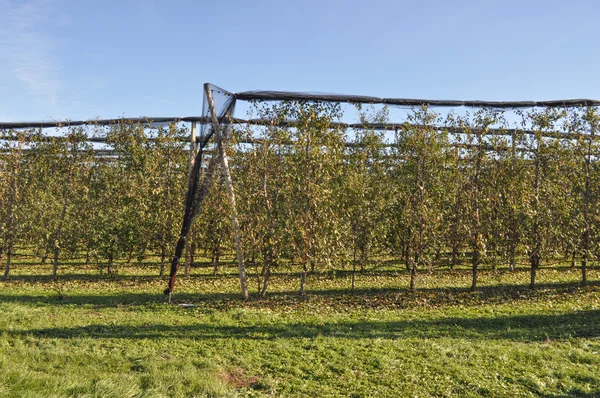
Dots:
pixel 374 297
pixel 526 328
pixel 229 271
pixel 81 277
pixel 574 393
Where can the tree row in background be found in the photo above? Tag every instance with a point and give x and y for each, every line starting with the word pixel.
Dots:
pixel 314 195
pixel 474 193
pixel 62 198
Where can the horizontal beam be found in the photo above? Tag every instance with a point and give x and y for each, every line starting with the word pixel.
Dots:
pixel 97 122
pixel 374 126
pixel 299 96
pixel 112 154
pixel 285 123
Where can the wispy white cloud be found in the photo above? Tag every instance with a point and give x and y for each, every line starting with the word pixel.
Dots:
pixel 160 100
pixel 27 48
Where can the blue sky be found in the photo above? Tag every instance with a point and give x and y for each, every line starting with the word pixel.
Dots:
pixel 86 59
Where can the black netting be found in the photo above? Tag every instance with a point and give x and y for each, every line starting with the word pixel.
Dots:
pixel 223 103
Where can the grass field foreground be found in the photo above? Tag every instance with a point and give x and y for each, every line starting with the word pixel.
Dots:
pixel 87 336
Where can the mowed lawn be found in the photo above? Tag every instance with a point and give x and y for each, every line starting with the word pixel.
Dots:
pixel 87 336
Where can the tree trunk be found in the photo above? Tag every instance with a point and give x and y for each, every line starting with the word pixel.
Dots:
pixel 586 217
pixel 270 251
pixel 512 259
pixel 161 272
pixel 513 241
pixel 475 269
pixel 413 277
pixel 215 257
pixel 13 198
pixel 63 215
pixel 109 266
pixel 478 242
pixel 8 261
pixel 45 255
pixel 454 261
pixel 188 259
pixel 55 263
pixel 303 280
pixel 130 256
pixel 513 217
pixel 364 259
pixel 354 261
pixel 535 256
pixel 457 219
pixel 407 257
pixel 436 258
pixel 266 271
pixel 265 285
pixel 534 261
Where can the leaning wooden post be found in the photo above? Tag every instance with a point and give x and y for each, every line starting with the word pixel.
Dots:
pixel 230 193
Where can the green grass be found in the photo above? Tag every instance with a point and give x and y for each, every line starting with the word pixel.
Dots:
pixel 87 336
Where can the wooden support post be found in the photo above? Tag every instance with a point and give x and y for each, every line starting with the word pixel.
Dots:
pixel 222 153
